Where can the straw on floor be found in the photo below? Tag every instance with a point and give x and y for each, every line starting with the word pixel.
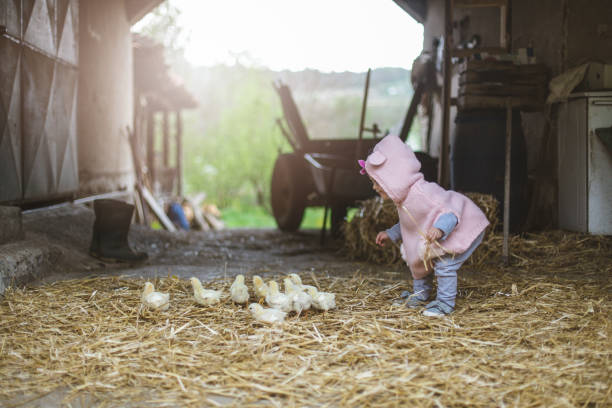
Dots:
pixel 534 335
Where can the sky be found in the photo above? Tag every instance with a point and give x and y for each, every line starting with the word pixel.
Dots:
pixel 327 35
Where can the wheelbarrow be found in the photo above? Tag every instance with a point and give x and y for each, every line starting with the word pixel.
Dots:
pixel 319 172
pixel 325 172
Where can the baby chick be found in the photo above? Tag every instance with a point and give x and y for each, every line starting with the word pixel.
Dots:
pixel 203 296
pixel 261 289
pixel 239 291
pixel 154 300
pixel 277 300
pixel 297 281
pixel 300 300
pixel 270 316
pixel 322 300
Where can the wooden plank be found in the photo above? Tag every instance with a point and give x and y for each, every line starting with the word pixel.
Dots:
pixel 505 246
pixel 466 52
pixel 214 223
pixel 443 164
pixel 487 102
pixel 507 78
pixel 140 212
pixel 494 65
pixel 479 3
pixel 113 194
pixel 157 209
pixel 498 89
pixel 166 138
pixel 179 153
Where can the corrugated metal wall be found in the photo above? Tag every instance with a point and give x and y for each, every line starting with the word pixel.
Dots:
pixel 38 99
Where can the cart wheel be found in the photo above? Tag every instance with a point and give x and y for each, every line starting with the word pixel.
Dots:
pixel 287 192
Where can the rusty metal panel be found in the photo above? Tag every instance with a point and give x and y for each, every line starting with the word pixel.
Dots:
pixel 67 30
pixel 38 92
pixel 39 25
pixel 10 123
pixel 37 77
pixel 49 133
pixel 10 17
pixel 64 111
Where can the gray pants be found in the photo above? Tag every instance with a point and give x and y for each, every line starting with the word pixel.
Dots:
pixel 446 273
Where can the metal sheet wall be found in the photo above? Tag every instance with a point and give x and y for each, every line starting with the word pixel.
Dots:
pixel 38 91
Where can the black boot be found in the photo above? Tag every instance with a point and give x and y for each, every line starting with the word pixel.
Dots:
pixel 110 232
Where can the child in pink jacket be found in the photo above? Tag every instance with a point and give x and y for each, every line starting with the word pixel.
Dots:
pixel 439 229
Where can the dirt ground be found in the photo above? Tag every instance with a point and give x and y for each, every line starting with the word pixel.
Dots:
pixel 524 335
pixel 206 255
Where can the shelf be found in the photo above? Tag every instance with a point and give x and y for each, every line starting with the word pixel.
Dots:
pixel 479 3
pixel 471 51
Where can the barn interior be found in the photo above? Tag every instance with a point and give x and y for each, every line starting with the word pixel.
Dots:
pixel 514 99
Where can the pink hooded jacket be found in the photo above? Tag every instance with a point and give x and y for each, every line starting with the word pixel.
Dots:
pixel 419 203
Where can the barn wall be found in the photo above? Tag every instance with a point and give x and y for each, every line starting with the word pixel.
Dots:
pixel 105 97
pixel 38 100
pixel 564 33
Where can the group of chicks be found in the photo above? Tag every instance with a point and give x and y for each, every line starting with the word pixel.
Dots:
pixel 297 297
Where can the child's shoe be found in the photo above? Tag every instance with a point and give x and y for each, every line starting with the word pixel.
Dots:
pixel 410 300
pixel 437 308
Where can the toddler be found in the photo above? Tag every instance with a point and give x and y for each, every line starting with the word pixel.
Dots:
pixel 439 229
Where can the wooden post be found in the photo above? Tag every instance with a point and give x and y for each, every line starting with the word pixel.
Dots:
pixel 179 153
pixel 166 136
pixel 364 105
pixel 151 145
pixel 448 36
pixel 505 253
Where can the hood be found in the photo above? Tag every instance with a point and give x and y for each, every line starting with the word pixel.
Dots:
pixel 394 166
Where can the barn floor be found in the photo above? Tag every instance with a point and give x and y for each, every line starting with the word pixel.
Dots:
pixel 524 335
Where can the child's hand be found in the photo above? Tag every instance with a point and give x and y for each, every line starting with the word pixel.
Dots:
pixel 381 238
pixel 434 234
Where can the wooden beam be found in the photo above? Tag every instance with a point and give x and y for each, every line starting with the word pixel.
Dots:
pixel 471 51
pixel 166 136
pixel 444 153
pixel 151 146
pixel 156 208
pixel 505 249
pixel 179 153
pixel 479 3
pixel 412 110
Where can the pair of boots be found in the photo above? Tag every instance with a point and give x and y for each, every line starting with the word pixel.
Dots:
pixel 110 232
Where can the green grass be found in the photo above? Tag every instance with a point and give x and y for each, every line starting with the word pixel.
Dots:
pixel 256 217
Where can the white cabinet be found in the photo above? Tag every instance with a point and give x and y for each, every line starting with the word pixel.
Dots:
pixel 585 164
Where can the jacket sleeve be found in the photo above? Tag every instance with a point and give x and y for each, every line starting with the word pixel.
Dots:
pixel 394 233
pixel 446 223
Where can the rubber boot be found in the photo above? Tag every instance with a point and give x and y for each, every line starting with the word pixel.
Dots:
pixel 110 232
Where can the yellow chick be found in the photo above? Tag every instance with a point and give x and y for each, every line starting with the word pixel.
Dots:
pixel 300 300
pixel 239 292
pixel 203 296
pixel 297 281
pixel 154 300
pixel 322 300
pixel 277 300
pixel 270 316
pixel 261 289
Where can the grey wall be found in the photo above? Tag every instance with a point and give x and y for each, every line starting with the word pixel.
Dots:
pixel 105 97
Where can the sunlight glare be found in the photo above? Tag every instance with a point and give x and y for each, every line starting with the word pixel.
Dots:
pixel 328 35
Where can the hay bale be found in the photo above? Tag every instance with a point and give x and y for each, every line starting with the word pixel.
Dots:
pixel 375 215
